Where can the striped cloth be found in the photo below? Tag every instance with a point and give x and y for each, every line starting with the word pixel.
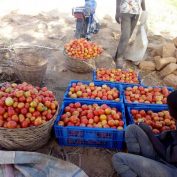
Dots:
pixel 32 164
pixel 130 6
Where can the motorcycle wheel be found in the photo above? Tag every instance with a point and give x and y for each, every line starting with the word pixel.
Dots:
pixel 80 26
pixel 97 28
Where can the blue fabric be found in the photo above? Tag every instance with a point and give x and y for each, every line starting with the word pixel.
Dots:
pixel 91 5
pixel 130 165
pixel 143 160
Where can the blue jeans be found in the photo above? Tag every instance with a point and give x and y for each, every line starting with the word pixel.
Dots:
pixel 143 160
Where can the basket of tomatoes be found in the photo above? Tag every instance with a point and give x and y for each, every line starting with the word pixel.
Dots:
pixel 27 114
pixel 80 55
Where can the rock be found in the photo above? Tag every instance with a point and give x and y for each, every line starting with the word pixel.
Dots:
pixel 157 58
pixel 175 41
pixel 175 72
pixel 41 27
pixel 171 80
pixel 157 51
pixel 162 62
pixel 104 24
pixel 170 68
pixel 165 50
pixel 176 53
pixel 105 61
pixel 168 50
pixel 147 65
pixel 115 35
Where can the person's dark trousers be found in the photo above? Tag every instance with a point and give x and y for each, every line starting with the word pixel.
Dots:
pixel 128 23
pixel 142 161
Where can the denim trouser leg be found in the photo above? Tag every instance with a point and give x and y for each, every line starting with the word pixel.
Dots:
pixel 138 142
pixel 130 165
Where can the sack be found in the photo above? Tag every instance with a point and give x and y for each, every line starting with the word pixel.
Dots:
pixel 138 42
pixel 32 164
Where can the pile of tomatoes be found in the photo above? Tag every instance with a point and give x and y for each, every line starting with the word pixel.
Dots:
pixel 94 115
pixel 117 75
pixel 158 121
pixel 91 91
pixel 82 49
pixel 23 105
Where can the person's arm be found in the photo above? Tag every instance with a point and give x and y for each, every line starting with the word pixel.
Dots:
pixel 118 14
pixel 143 5
pixel 159 147
pixel 169 153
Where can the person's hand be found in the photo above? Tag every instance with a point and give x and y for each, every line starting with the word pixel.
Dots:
pixel 118 18
pixel 146 128
pixel 159 147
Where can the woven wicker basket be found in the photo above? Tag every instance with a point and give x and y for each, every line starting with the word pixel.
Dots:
pixel 79 66
pixel 27 69
pixel 27 139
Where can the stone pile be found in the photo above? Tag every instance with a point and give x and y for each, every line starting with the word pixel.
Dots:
pixel 164 60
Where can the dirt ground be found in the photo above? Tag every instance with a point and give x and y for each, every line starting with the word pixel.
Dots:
pixel 95 162
pixel 49 32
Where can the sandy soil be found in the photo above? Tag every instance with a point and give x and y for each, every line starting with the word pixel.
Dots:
pixel 49 25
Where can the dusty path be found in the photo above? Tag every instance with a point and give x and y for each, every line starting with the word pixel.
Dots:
pixel 53 31
pixel 162 16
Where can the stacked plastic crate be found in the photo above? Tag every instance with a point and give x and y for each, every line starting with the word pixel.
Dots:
pixel 112 138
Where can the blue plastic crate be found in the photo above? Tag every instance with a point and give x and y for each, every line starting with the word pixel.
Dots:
pixel 90 137
pixel 119 145
pixel 109 82
pixel 111 85
pixel 146 108
pixel 141 104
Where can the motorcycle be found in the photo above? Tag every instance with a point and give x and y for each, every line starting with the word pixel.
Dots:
pixel 86 22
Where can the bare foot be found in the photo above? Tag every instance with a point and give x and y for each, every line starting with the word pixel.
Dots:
pixel 120 63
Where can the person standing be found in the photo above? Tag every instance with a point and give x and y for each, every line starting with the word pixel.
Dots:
pixel 127 14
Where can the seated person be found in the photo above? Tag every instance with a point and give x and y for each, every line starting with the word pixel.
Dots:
pixel 150 156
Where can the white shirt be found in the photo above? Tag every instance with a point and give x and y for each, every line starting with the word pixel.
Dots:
pixel 130 6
